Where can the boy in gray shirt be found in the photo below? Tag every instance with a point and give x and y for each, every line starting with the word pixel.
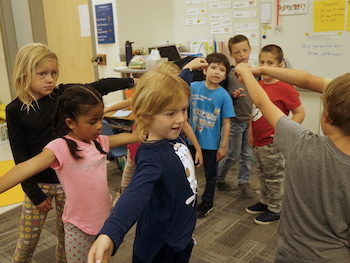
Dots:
pixel 314 225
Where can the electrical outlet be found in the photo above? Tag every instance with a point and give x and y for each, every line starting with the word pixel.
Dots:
pixel 102 59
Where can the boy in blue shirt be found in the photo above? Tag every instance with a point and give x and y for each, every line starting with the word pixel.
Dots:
pixel 210 111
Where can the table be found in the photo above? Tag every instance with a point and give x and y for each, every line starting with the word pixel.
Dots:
pixel 120 124
pixel 126 71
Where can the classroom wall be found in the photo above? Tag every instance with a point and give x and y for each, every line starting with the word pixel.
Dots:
pixel 146 23
pixel 322 53
pixel 4 81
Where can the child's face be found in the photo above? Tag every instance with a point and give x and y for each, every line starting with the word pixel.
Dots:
pixel 268 59
pixel 169 123
pixel 88 126
pixel 215 73
pixel 44 80
pixel 240 52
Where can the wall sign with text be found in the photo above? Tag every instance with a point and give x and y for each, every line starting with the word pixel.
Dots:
pixel 104 24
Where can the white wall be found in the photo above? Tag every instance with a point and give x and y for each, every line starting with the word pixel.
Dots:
pixel 21 17
pixel 146 23
pixel 4 81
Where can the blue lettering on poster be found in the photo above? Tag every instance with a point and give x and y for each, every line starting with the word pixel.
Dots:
pixel 105 24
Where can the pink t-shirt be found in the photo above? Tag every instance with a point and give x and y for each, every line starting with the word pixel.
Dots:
pixel 88 201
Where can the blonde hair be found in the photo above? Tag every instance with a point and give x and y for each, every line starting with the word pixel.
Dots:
pixel 168 66
pixel 28 59
pixel 336 101
pixel 155 92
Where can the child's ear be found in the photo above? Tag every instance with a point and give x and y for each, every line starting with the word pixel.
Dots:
pixel 70 123
pixel 326 117
pixel 146 119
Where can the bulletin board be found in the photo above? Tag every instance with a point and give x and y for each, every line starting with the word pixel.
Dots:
pixel 316 39
pixel 219 20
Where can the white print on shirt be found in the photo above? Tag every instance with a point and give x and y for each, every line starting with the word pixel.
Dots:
pixel 83 166
pixel 185 156
pixel 256 113
pixel 203 118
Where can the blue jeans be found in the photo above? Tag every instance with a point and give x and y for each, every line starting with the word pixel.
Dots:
pixel 210 171
pixel 237 148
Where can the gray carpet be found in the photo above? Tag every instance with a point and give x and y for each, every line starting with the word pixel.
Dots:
pixel 226 235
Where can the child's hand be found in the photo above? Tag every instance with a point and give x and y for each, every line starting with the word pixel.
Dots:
pixel 45 206
pixel 198 159
pixel 239 69
pixel 135 79
pixel 238 93
pixel 221 153
pixel 101 250
pixel 197 63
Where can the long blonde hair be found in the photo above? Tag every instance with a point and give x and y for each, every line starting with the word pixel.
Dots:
pixel 28 59
pixel 156 91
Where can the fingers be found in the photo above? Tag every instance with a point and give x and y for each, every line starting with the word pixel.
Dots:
pixel 45 206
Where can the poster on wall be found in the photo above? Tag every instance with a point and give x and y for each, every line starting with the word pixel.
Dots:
pixel 329 15
pixel 292 7
pixel 104 24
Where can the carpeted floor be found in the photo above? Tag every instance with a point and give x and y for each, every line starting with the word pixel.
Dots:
pixel 226 235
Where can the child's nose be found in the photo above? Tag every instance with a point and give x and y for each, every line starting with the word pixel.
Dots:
pixel 50 78
pixel 99 125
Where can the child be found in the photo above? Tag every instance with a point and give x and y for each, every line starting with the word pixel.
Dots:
pixel 29 122
pixel 315 220
pixel 162 192
pixel 185 74
pixel 238 148
pixel 270 161
pixel 210 110
pixel 79 157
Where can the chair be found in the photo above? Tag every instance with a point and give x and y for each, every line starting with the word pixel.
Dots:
pixel 118 153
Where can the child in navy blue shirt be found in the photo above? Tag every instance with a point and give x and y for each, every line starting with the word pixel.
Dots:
pixel 162 194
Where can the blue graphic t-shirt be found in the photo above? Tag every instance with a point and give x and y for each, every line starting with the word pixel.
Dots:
pixel 207 109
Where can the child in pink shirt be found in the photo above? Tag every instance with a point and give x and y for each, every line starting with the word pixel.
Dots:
pixel 79 157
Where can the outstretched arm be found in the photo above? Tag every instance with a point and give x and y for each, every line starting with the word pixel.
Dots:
pixel 24 170
pixel 270 111
pixel 299 78
pixel 119 105
pixel 121 139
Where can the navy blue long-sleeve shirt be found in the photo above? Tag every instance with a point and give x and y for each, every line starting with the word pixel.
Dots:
pixel 160 197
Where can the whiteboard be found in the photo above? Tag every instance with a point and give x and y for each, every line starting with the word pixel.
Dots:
pixel 325 54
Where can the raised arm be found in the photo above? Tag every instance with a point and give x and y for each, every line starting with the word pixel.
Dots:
pixel 299 78
pixel 298 114
pixel 196 64
pixel 270 111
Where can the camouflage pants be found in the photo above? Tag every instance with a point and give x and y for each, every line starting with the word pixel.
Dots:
pixel 270 164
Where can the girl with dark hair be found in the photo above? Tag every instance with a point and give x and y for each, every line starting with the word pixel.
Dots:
pixel 78 155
